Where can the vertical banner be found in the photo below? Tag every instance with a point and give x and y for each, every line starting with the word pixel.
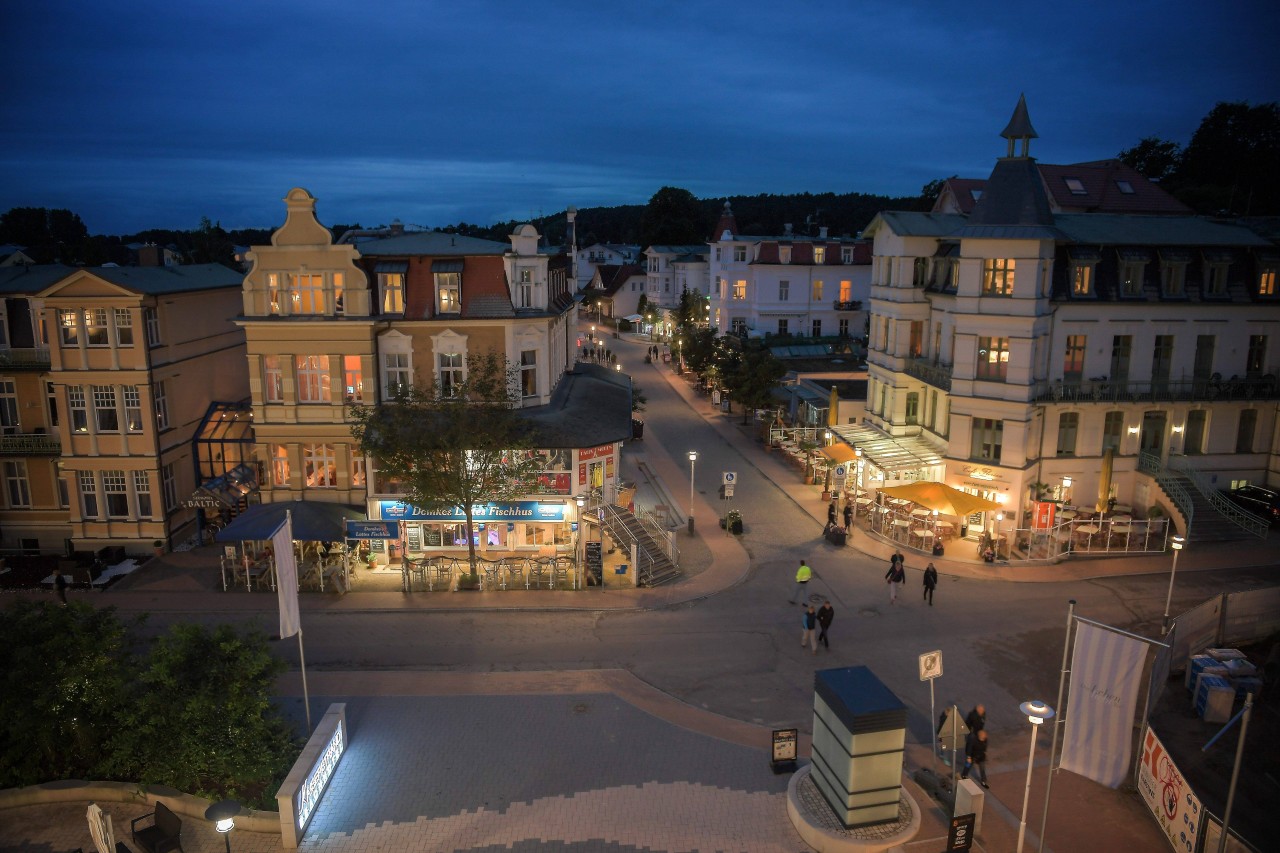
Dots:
pixel 286 577
pixel 1106 671
pixel 1176 808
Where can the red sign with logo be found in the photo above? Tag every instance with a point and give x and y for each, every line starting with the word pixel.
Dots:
pixel 1042 517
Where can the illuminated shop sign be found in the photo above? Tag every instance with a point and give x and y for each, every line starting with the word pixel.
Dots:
pixel 318 778
pixel 515 511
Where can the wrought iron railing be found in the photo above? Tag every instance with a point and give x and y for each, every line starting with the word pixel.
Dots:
pixel 1169 482
pixel 937 375
pixel 30 445
pixel 1158 391
pixel 847 305
pixel 1236 515
pixel 28 358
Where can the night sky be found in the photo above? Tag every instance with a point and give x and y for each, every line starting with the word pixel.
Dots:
pixel 153 114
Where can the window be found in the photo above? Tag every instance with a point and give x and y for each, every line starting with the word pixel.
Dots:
pixel 142 487
pixel 17 487
pixel 9 407
pixel 1173 278
pixel 1245 429
pixel 528 373
pixel 817 328
pixel 449 292
pixel 95 327
pixel 1267 281
pixel 784 291
pixel 124 326
pixel 396 374
pixel 151 320
pixel 1082 280
pixel 273 291
pixel 842 327
pixel 64 494
pixel 817 291
pixel 69 327
pixel 52 395
pixel 997 276
pixel 1193 442
pixel 1125 187
pixel 933 408
pixel 784 254
pixel 273 379
pixel 740 289
pixel 920 272
pixel 1112 431
pixel 105 416
pixel 319 466
pixel 1131 277
pixel 819 254
pixel 449 373
pixel 132 408
pixel 169 486
pixel 1076 186
pixel 88 495
pixel 524 293
pixel 339 293
pixel 717 253
pixel 846 254
pixel 280 466
pixel 846 290
pixel 117 490
pixel 306 293
pixel 1068 427
pixel 359 472
pixel 162 407
pixel 1162 359
pixel 352 379
pixel 1215 279
pixel 1256 358
pixel 1202 368
pixel 913 408
pixel 740 253
pixel 1073 362
pixel 313 378
pixel 391 286
pixel 79 411
pixel 993 359
pixel 783 327
pixel 1121 346
pixel 988 435
pixel 915 345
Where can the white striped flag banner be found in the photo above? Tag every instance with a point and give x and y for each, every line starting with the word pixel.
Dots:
pixel 1106 672
pixel 286 577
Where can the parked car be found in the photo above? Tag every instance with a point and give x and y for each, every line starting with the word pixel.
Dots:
pixel 1259 500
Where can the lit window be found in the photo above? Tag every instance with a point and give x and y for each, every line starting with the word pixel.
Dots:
pixel 88 495
pixel 142 487
pixel 359 476
pixel 339 293
pixel 17 487
pixel 313 378
pixel 79 409
pixel 69 327
pixel 273 291
pixel 95 327
pixel 162 407
pixel 1082 280
pixel 819 254
pixel 124 326
pixel 1076 186
pixel 353 378
pixel 306 293
pixel 1267 282
pixel 529 373
pixel 817 291
pixel 1073 364
pixel 132 408
pixel 272 379
pixel 740 289
pixel 280 466
pixel 449 373
pixel 105 416
pixel 449 292
pixel 117 490
pixel 993 358
pixel 784 254
pixel 997 276
pixel 391 285
pixel 319 466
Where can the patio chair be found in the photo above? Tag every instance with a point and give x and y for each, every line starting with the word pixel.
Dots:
pixel 441 573
pixel 513 572
pixel 490 571
pixel 539 573
pixel 561 577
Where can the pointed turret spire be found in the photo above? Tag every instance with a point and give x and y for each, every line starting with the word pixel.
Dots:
pixel 728 224
pixel 1019 127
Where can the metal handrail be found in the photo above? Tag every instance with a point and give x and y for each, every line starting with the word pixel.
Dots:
pixel 1249 522
pixel 937 375
pixel 31 443
pixel 1150 463
pixel 1158 390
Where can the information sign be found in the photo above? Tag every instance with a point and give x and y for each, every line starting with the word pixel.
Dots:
pixel 730 478
pixel 961 835
pixel 1175 806
pixel 783 754
pixel 595 564
pixel 728 491
pixel 930 665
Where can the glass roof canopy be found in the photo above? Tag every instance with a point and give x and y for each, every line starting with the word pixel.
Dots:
pixel 224 452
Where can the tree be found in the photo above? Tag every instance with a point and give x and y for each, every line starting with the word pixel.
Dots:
pixel 673 217
pixel 929 192
pixel 642 305
pixel 699 349
pixel 754 379
pixel 1155 158
pixel 1230 163
pixel 211 245
pixel 454 446
pixel 691 311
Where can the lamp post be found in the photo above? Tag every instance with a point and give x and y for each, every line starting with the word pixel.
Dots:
pixel 693 457
pixel 857 482
pixel 580 544
pixel 1176 544
pixel 999 524
pixel 222 815
pixel 1037 712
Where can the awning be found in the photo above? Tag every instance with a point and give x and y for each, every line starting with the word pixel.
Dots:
pixel 840 453
pixel 312 521
pixel 633 318
pixel 889 453
pixel 941 497
pixel 446 266
pixel 391 266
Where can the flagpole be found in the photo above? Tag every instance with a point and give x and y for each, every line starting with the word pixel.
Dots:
pixel 1053 746
pixel 306 699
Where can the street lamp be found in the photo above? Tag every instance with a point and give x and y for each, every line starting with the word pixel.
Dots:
pixel 1037 712
pixel 857 479
pixel 222 814
pixel 1176 544
pixel 580 545
pixel 693 457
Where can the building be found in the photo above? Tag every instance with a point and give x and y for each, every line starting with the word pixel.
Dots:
pixel 593 257
pixel 331 324
pixel 1019 344
pixel 671 270
pixel 618 289
pixel 792 285
pixel 106 375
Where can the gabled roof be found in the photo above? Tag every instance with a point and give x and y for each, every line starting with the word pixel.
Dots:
pixel 19 280
pixel 1096 188
pixel 614 276
pixel 431 243
pixel 149 281
pixel 908 223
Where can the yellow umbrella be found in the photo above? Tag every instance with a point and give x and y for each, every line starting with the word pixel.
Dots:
pixel 839 453
pixel 833 413
pixel 1104 480
pixel 941 497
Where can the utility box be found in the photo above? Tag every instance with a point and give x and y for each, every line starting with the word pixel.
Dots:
pixel 969 800
pixel 859 733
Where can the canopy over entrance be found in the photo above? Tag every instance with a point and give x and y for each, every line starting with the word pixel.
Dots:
pixel 941 497
pixel 840 453
pixel 312 521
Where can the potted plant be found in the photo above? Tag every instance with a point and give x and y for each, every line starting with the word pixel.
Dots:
pixel 733 521
pixel 158 545
pixel 468 581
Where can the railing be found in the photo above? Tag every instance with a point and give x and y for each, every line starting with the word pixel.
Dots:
pixel 30 445
pixel 937 375
pixel 1150 463
pixel 1166 391
pixel 847 305
pixel 30 358
pixel 1246 520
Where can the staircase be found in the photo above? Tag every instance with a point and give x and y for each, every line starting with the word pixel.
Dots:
pixel 653 566
pixel 1210 517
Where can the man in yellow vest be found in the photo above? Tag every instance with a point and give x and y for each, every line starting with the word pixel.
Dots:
pixel 803 575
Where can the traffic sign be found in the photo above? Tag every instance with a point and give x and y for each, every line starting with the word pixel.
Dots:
pixel 730 478
pixel 930 665
pixel 728 491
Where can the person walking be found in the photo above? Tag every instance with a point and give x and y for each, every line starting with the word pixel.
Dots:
pixel 810 621
pixel 804 574
pixel 831 515
pixel 930 581
pixel 826 613
pixel 60 584
pixel 975 758
pixel 977 719
pixel 896 576
pixel 848 515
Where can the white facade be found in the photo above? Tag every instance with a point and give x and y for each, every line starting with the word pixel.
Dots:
pixel 591 258
pixel 670 270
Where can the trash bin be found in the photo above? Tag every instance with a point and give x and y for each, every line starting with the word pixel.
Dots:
pixel 637 429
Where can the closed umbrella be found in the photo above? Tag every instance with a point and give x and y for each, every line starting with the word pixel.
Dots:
pixel 1104 480
pixel 941 497
pixel 104 837
pixel 833 413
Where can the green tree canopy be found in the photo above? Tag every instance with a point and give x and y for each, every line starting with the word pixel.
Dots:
pixel 1155 158
pixel 754 378
pixel 673 217
pixel 454 446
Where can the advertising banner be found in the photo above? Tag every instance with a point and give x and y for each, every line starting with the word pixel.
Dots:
pixel 1042 517
pixel 1176 808
pixel 1106 672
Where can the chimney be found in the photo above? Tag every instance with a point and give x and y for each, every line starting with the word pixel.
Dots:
pixel 786 229
pixel 149 255
pixel 822 233
pixel 397 228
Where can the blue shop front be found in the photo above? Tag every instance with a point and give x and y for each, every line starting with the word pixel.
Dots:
pixel 538 526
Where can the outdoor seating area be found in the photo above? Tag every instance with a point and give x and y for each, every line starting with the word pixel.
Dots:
pixel 449 573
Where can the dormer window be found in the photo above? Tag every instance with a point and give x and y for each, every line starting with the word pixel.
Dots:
pixel 1083 265
pixel 846 254
pixel 1133 264
pixel 920 272
pixel 819 254
pixel 976 195
pixel 1076 186
pixel 1173 273
pixel 740 254
pixel 1267 276
pixel 1125 187
pixel 448 276
pixel 784 254
pixel 524 289
pixel 391 286
pixel 306 293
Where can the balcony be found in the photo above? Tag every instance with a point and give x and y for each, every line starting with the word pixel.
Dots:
pixel 1216 389
pixel 847 305
pixel 937 375
pixel 30 445
pixel 31 358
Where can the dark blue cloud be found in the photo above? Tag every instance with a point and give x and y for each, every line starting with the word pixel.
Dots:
pixel 155 114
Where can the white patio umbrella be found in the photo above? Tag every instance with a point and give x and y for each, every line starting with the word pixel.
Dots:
pixel 104 837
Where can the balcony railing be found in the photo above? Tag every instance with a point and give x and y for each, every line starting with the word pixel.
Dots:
pixel 28 358
pixel 847 305
pixel 30 445
pixel 937 375
pixel 1181 390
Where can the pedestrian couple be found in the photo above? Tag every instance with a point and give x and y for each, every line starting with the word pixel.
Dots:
pixel 897 576
pixel 975 745
pixel 817 619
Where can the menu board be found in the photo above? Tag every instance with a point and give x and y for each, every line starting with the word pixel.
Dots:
pixel 433 538
pixel 413 537
pixel 595 564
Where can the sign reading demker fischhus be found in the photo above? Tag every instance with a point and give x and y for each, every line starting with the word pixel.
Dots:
pixel 511 511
